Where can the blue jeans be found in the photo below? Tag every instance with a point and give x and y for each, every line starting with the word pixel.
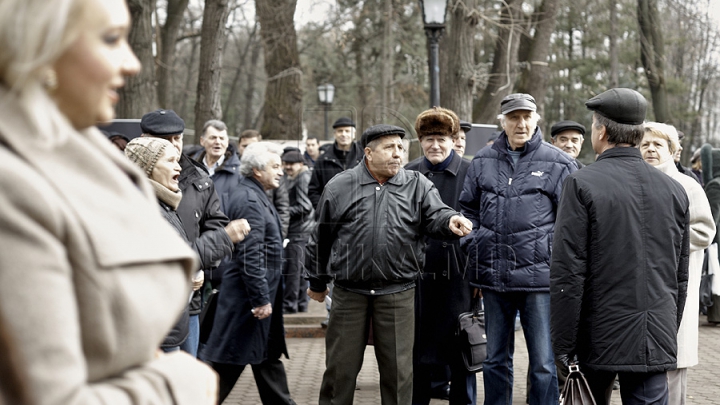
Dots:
pixel 500 310
pixel 190 344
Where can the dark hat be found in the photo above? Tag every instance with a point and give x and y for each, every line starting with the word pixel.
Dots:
pixel 567 125
pixel 517 101
pixel 291 149
pixel 344 122
pixel 377 131
pixel 292 156
pixel 624 106
pixel 437 121
pixel 465 126
pixel 162 123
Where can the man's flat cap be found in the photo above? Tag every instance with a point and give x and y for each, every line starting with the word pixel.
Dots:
pixel 292 156
pixel 465 126
pixel 437 121
pixel 162 123
pixel 565 126
pixel 344 122
pixel 376 131
pixel 624 106
pixel 517 101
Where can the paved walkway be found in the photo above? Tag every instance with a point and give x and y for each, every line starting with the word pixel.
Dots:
pixel 307 364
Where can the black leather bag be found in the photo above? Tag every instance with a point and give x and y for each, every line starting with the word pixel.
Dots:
pixel 576 390
pixel 207 316
pixel 471 337
pixel 706 283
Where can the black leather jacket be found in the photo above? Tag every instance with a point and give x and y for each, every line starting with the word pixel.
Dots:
pixel 370 237
pixel 328 165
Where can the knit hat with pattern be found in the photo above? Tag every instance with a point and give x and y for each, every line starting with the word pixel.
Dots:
pixel 145 152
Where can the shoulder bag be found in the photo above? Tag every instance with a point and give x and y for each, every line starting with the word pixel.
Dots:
pixel 576 390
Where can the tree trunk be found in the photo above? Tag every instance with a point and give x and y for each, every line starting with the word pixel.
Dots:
pixel 282 110
pixel 387 58
pixel 533 79
pixel 612 38
pixel 138 96
pixel 652 55
pixel 229 106
pixel 166 58
pixel 457 83
pixel 207 105
pixel 250 85
pixel 188 78
pixel 502 73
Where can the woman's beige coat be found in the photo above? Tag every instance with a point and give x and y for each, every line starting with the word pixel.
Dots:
pixel 91 277
pixel 702 232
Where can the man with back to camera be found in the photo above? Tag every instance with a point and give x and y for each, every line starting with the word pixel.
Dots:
pixel 199 211
pixel 619 267
pixel 344 154
pixel 369 239
pixel 569 136
pixel 510 194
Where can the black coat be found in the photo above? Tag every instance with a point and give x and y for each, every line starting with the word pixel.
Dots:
pixel 619 271
pixel 328 165
pixel 302 213
pixel 252 278
pixel 443 290
pixel 181 330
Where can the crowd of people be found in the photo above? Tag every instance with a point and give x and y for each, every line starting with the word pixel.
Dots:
pixel 110 259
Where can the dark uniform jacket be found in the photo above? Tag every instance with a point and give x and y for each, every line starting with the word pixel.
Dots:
pixel 328 165
pixel 512 207
pixel 252 278
pixel 372 235
pixel 443 289
pixel 620 265
pixel 202 220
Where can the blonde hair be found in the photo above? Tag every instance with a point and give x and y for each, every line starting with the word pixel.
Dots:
pixel 665 131
pixel 33 35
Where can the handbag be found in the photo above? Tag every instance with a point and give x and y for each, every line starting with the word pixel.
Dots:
pixel 471 337
pixel 706 282
pixel 207 316
pixel 576 390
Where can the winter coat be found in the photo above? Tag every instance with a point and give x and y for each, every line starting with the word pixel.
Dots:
pixel 513 209
pixel 302 213
pixel 328 165
pixel 227 174
pixel 443 290
pixel 86 290
pixel 252 278
pixel 371 235
pixel 702 232
pixel 620 265
pixel 711 177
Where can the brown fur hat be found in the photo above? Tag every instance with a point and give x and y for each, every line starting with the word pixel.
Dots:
pixel 437 121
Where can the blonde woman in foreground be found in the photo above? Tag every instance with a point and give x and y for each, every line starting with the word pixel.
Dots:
pixel 87 292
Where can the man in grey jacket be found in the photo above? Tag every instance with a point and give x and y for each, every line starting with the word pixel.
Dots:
pixel 369 240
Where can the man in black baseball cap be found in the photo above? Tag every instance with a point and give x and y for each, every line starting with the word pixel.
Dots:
pixel 569 137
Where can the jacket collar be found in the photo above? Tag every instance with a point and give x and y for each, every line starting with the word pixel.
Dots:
pixel 367 178
pixel 621 152
pixel 453 167
pixel 533 143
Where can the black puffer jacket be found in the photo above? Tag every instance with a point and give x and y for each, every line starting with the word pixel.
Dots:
pixel 328 165
pixel 619 271
pixel 372 235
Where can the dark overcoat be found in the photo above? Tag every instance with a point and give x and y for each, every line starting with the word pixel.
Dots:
pixel 443 290
pixel 252 278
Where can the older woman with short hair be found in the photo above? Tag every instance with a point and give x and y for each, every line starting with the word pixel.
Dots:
pixel 658 145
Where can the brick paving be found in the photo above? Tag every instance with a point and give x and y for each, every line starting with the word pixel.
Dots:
pixel 307 364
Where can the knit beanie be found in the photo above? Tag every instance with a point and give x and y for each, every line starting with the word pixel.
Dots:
pixel 145 152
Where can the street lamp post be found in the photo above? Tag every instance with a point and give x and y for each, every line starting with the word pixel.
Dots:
pixel 326 92
pixel 434 20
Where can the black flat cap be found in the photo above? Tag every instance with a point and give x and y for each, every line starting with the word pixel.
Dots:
pixel 565 126
pixel 292 156
pixel 376 131
pixel 465 126
pixel 517 101
pixel 344 122
pixel 162 123
pixel 624 106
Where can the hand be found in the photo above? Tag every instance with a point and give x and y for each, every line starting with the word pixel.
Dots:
pixel 477 293
pixel 198 281
pixel 262 312
pixel 460 225
pixel 237 230
pixel 565 359
pixel 319 297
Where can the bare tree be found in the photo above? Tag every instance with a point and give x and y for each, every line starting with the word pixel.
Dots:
pixel 212 41
pixel 282 110
pixel 166 54
pixel 138 96
pixel 652 55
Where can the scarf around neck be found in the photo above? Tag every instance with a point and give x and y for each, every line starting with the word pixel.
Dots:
pixel 165 195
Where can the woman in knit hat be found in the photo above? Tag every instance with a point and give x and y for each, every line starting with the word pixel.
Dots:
pixel 658 145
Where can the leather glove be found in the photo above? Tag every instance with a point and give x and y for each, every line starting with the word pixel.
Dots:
pixel 564 359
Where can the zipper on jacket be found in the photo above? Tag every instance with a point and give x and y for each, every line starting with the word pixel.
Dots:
pixel 509 180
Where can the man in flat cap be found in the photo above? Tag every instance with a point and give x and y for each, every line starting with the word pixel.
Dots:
pixel 443 292
pixel 569 136
pixel 342 155
pixel 619 270
pixel 213 236
pixel 459 139
pixel 369 240
pixel 510 194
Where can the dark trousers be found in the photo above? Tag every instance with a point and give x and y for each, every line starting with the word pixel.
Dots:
pixel 393 322
pixel 463 385
pixel 295 298
pixel 269 376
pixel 635 388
